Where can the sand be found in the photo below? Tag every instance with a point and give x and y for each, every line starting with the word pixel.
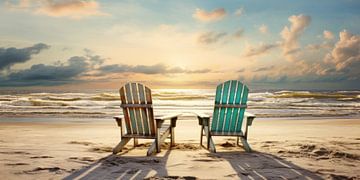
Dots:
pixel 283 149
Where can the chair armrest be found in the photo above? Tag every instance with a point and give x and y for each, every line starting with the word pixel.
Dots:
pixel 202 116
pixel 249 118
pixel 247 114
pixel 118 120
pixel 204 119
pixel 160 120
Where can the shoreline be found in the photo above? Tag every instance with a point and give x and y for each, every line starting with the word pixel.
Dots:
pixel 182 118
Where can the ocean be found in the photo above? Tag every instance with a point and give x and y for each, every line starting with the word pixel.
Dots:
pixel 105 104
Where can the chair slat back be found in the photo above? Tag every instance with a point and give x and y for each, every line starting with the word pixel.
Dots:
pixel 136 103
pixel 230 103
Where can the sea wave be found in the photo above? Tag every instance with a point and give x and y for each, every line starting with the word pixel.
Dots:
pixel 181 97
pixel 105 97
pixel 107 103
pixel 315 95
pixel 37 102
pixel 53 98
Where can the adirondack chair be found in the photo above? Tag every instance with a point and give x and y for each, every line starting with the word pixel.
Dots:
pixel 229 113
pixel 140 122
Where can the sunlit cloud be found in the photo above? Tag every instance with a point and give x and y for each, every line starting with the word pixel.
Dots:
pixel 328 34
pixel 211 16
pixel 74 9
pixel 147 69
pixel 239 12
pixel 346 53
pixel 316 47
pixel 291 34
pixel 263 29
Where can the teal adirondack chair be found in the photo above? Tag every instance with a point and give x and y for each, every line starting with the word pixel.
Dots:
pixel 140 122
pixel 229 113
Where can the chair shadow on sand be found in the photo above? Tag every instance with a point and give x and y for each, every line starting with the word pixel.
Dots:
pixel 258 165
pixel 255 165
pixel 123 167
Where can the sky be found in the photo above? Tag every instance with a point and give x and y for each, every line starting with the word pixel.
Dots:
pixel 281 44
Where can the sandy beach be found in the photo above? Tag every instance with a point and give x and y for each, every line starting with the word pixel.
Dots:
pixel 80 149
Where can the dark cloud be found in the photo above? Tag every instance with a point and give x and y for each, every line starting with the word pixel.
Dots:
pixel 143 69
pixel 211 37
pixel 41 74
pixel 75 66
pixel 12 55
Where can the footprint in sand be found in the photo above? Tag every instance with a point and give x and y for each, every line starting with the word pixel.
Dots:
pixel 17 164
pixel 82 159
pixel 16 152
pixel 41 157
pixel 207 160
pixel 56 170
pixel 101 149
pixel 172 177
pixel 81 143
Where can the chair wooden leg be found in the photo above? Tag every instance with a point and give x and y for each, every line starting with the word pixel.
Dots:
pixel 157 140
pixel 245 144
pixel 237 141
pixel 212 145
pixel 201 135
pixel 156 144
pixel 121 144
pixel 207 134
pixel 172 138
pixel 135 142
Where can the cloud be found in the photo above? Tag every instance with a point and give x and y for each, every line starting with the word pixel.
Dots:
pixel 316 47
pixel 263 29
pixel 340 67
pixel 346 54
pixel 260 50
pixel 239 33
pixel 290 35
pixel 211 16
pixel 144 69
pixel 210 37
pixel 264 69
pixel 12 55
pixel 241 70
pixel 41 74
pixel 239 12
pixel 328 35
pixel 268 79
pixel 74 9
pixel 85 68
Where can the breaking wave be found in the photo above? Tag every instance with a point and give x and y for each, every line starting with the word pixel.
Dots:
pixel 107 103
pixel 316 95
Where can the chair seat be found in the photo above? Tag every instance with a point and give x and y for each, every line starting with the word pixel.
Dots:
pixel 142 136
pixel 217 133
pixel 163 128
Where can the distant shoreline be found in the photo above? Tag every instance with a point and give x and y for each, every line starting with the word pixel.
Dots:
pixel 184 118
